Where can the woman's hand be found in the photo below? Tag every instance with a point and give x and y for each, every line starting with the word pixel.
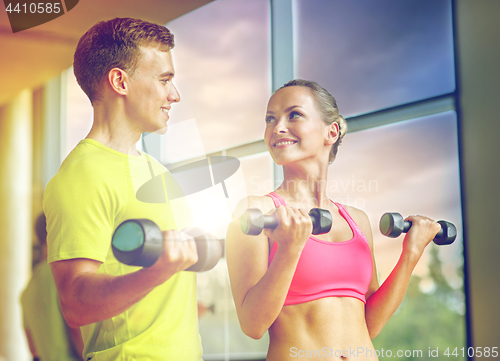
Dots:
pixel 421 233
pixel 293 230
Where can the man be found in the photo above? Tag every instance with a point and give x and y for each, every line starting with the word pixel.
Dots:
pixel 48 335
pixel 125 313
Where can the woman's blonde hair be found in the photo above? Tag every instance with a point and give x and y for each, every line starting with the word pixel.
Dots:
pixel 327 105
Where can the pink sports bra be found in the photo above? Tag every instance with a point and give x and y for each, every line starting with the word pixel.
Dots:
pixel 330 269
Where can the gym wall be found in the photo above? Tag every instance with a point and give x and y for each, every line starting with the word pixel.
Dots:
pixel 477 34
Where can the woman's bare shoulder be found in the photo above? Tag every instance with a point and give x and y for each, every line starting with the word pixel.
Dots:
pixel 359 216
pixel 356 213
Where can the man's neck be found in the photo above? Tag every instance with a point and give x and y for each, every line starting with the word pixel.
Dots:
pixel 111 129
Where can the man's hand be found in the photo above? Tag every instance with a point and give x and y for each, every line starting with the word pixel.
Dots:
pixel 179 253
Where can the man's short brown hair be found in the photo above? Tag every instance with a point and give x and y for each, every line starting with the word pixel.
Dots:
pixel 115 44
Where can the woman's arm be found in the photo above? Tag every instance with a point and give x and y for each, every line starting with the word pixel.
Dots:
pixel 259 292
pixel 383 301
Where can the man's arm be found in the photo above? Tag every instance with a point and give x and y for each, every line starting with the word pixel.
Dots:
pixel 31 344
pixel 87 296
pixel 75 337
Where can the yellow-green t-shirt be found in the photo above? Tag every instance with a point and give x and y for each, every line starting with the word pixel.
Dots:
pixel 91 194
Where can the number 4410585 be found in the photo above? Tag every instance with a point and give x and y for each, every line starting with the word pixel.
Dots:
pixel 472 351
pixel 33 8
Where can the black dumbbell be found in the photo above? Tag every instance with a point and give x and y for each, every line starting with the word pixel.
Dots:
pixel 139 242
pixel 393 224
pixel 253 221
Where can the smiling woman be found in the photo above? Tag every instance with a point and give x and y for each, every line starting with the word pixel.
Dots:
pixel 289 129
pixel 321 102
pixel 310 291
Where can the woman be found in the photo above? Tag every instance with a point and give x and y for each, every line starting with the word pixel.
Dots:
pixel 318 296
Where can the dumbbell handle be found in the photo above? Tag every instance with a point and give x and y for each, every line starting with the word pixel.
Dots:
pixel 270 220
pixel 407 226
pixel 253 221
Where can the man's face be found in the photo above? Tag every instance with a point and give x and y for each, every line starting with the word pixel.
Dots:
pixel 151 91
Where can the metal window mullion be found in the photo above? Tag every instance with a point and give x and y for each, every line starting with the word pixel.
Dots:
pixel 400 113
pixel 281 54
pixel 54 126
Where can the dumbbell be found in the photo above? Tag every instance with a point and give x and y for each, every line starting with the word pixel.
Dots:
pixel 253 221
pixel 393 224
pixel 139 242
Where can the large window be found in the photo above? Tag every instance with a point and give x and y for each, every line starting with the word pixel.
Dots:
pixel 390 65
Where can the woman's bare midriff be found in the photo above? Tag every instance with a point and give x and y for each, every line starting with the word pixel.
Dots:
pixel 330 328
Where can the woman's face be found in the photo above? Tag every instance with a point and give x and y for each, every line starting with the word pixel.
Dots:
pixel 295 130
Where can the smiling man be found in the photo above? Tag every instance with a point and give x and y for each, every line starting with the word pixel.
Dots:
pixel 125 313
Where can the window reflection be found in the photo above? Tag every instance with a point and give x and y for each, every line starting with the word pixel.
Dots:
pixel 220 331
pixel 258 170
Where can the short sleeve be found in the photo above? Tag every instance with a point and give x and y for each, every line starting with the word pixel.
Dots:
pixel 79 205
